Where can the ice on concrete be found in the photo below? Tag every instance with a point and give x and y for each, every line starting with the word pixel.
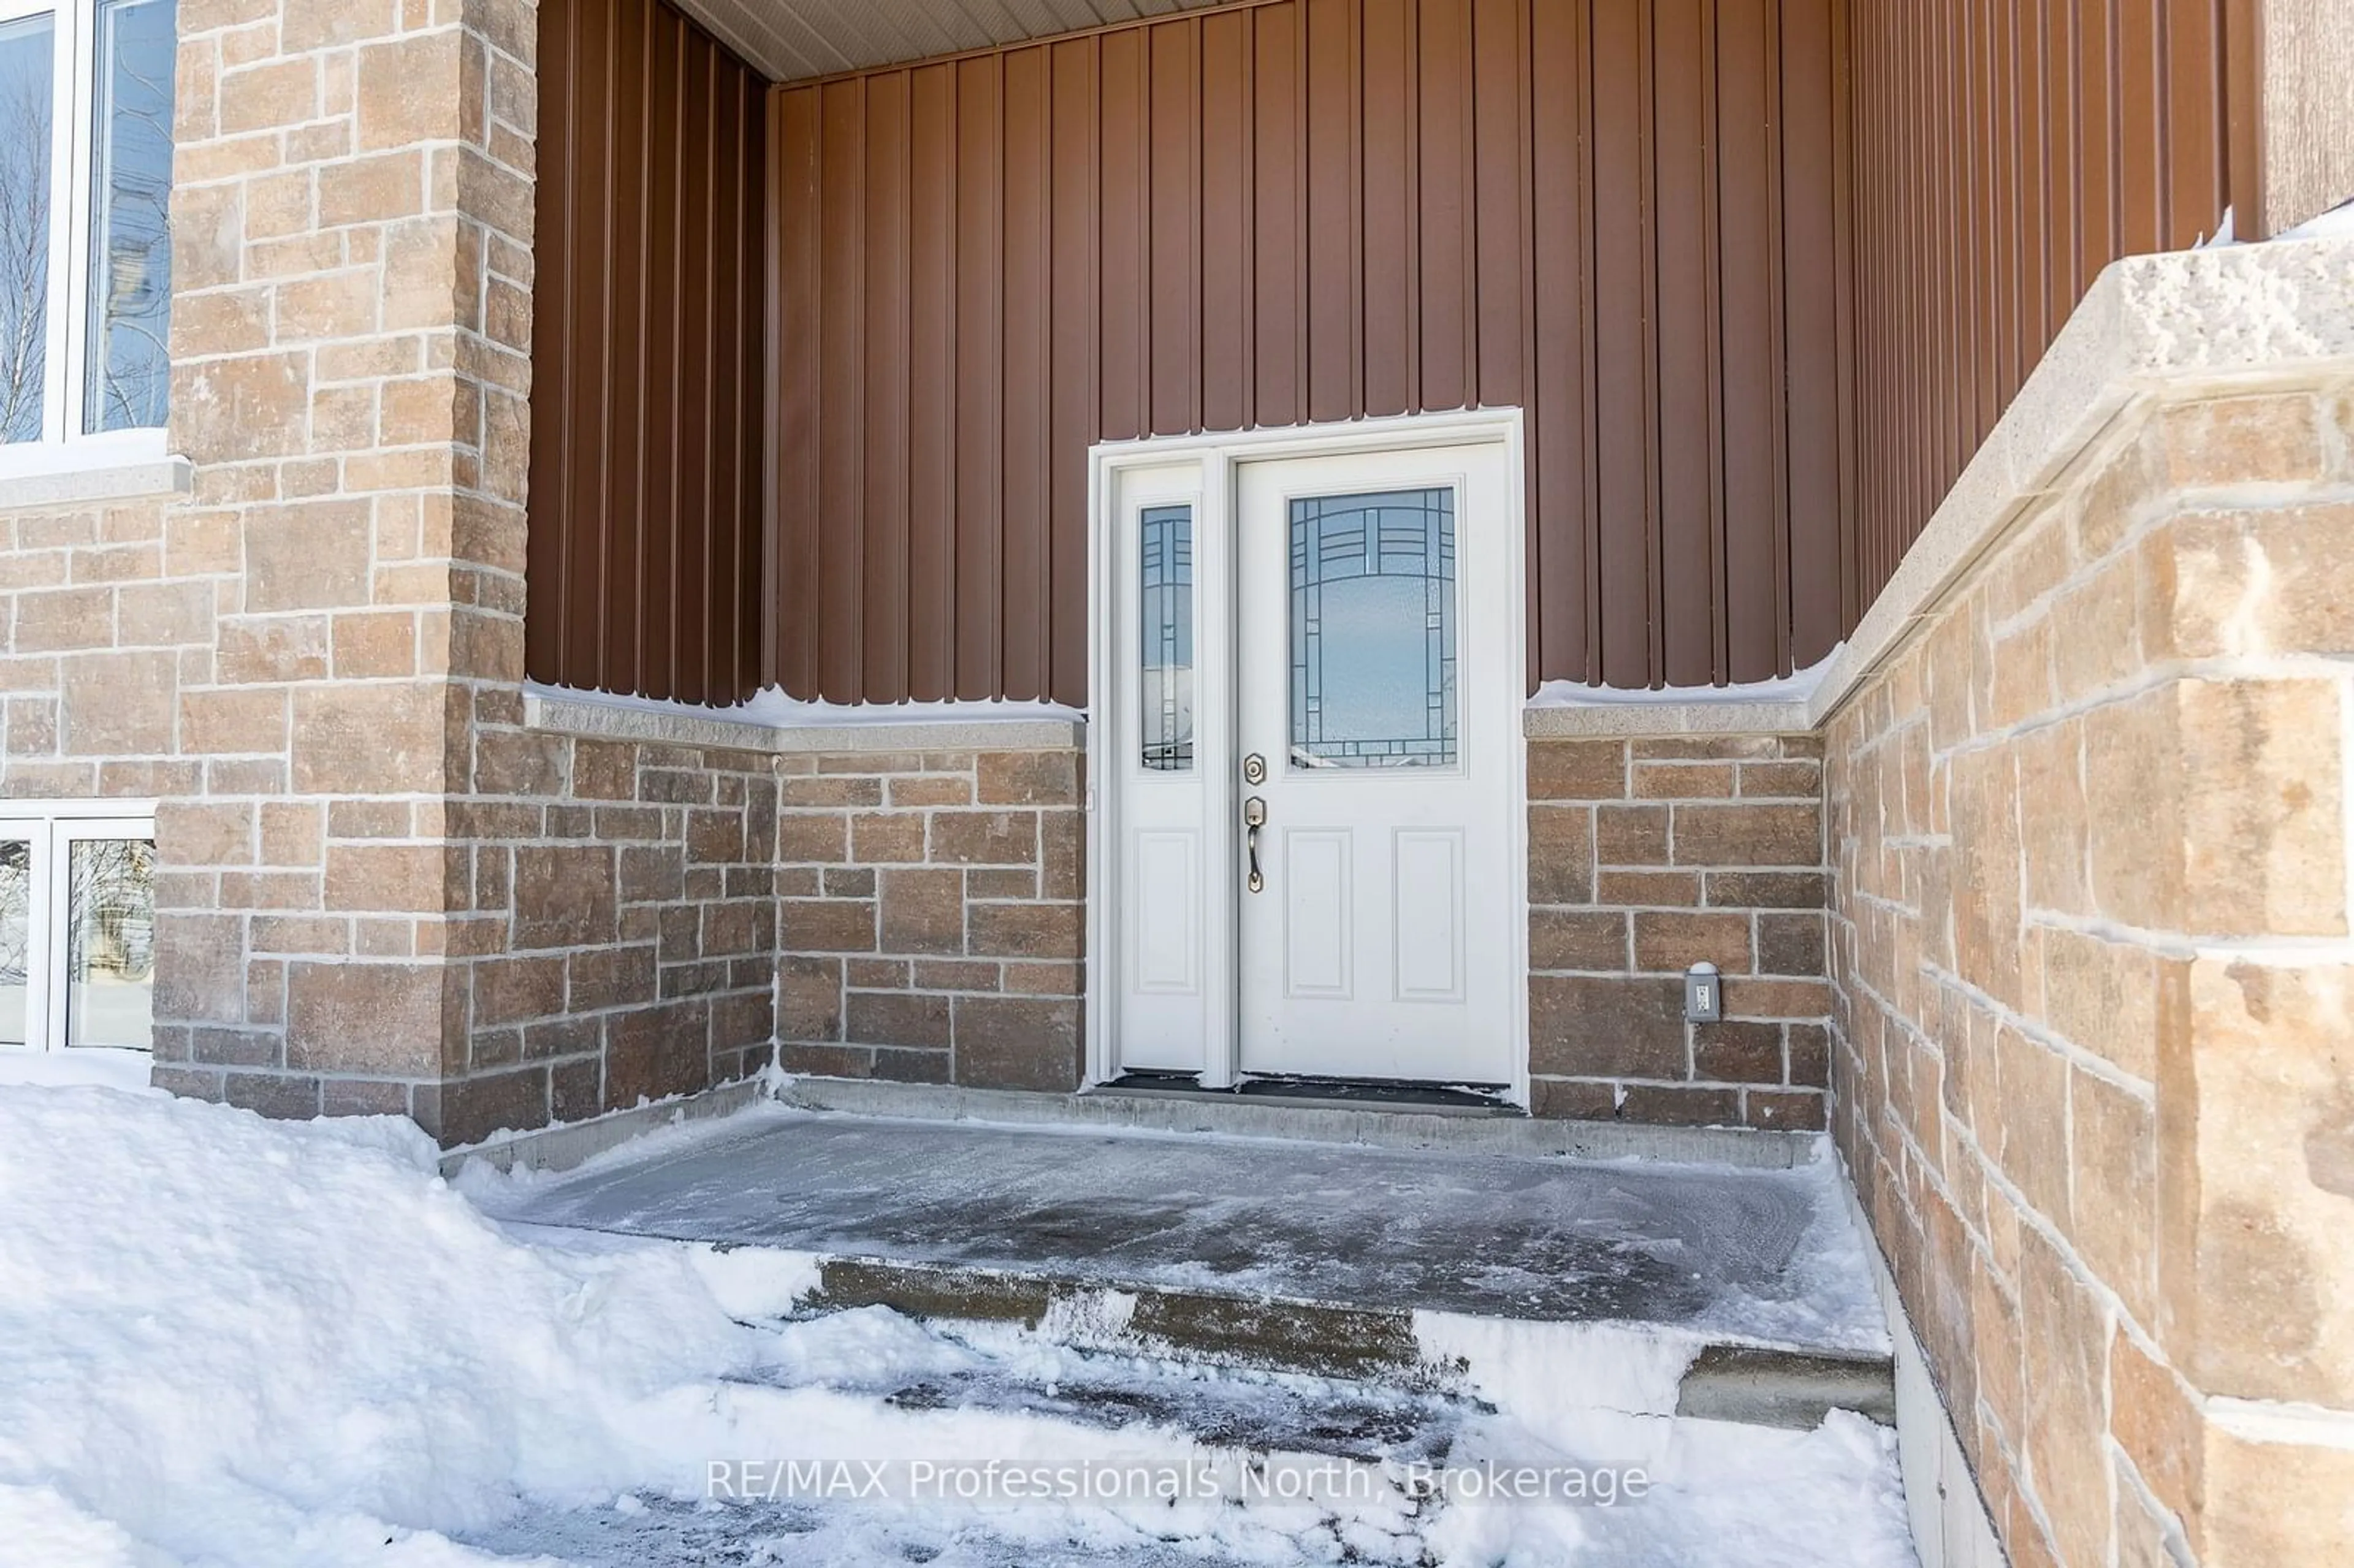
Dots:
pixel 1762 1255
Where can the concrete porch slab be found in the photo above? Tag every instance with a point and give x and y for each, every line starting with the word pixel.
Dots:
pixel 994 1221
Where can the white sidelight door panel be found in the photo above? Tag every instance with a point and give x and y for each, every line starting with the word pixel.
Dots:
pixel 1377 682
pixel 1171 726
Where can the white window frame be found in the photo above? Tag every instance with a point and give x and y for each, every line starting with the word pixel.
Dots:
pixel 73 107
pixel 51 828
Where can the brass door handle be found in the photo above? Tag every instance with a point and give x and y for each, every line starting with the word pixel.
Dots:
pixel 1254 818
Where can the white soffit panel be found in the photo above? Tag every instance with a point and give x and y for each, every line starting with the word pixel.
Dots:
pixel 792 39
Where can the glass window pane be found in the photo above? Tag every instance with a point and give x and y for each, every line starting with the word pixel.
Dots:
pixel 1373 630
pixel 1167 618
pixel 130 239
pixel 110 942
pixel 28 65
pixel 15 939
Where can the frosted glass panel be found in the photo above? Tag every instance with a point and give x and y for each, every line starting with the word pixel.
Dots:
pixel 1167 652
pixel 110 942
pixel 15 939
pixel 27 61
pixel 1373 630
pixel 130 240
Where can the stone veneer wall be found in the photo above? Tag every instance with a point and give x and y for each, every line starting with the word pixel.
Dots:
pixel 933 915
pixel 376 890
pixel 2095 1016
pixel 1645 857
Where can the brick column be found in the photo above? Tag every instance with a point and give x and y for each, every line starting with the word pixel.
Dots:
pixel 352 226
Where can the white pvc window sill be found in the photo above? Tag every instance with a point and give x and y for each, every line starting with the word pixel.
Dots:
pixel 133 465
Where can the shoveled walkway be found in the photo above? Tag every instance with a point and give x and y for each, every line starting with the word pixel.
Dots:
pixel 1763 1257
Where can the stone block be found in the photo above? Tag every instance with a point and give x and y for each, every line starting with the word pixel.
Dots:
pixel 119 704
pixel 387 1020
pixel 1674 941
pixel 896 1018
pixel 1577 770
pixel 566 896
pixel 984 838
pixel 1561 854
pixel 1592 939
pixel 1747 835
pixel 1017 1043
pixel 1606 1026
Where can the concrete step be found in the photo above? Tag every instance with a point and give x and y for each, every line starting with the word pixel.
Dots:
pixel 1728 1381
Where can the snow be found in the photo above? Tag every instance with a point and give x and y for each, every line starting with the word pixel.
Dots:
pixel 772 707
pixel 230 1341
pixel 84 1065
pixel 1796 687
pixel 2338 223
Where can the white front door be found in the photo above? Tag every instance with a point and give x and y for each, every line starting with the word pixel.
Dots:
pixel 1377 694
pixel 1323 641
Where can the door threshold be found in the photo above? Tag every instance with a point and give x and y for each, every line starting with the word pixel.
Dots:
pixel 1324 1093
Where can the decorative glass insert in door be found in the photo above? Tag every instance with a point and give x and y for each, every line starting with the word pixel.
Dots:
pixel 1167 614
pixel 110 942
pixel 1373 630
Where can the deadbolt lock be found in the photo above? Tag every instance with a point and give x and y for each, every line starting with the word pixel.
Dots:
pixel 1254 768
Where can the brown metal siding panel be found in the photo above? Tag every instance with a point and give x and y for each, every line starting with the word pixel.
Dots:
pixel 1687 392
pixel 1227 328
pixel 1626 367
pixel 585 519
pixel 1444 187
pixel 1174 253
pixel 545 544
pixel 657 580
pixel 1388 142
pixel 1811 431
pixel 744 664
pixel 932 595
pixel 1561 564
pixel 1335 261
pixel 647 520
pixel 839 327
pixel 2007 151
pixel 1277 202
pixel 979 378
pixel 1756 602
pixel 798 537
pixel 1499 45
pixel 1127 181
pixel 882 602
pixel 1029 187
pixel 1073 371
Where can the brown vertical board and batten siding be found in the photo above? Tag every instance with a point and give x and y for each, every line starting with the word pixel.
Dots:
pixel 1720 249
pixel 2004 154
pixel 650 421
pixel 1323 209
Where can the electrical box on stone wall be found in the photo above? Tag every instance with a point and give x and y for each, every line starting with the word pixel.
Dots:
pixel 1703 994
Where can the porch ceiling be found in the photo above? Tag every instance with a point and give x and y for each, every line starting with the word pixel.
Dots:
pixel 789 39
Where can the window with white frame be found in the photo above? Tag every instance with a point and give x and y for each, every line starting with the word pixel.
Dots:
pixel 77 926
pixel 85 245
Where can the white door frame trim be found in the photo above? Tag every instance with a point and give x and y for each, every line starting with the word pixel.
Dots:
pixel 1107 690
